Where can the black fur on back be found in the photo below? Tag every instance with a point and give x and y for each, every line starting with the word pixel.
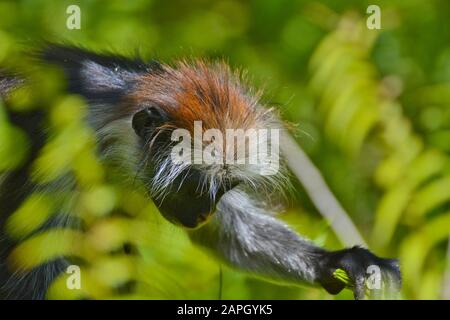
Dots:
pixel 15 187
pixel 13 191
pixel 97 77
pixel 103 80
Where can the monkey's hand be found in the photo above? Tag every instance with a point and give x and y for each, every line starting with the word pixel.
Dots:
pixel 369 275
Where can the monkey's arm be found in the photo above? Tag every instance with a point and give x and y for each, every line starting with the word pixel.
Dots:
pixel 246 237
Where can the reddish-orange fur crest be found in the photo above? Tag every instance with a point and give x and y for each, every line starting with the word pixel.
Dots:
pixel 210 93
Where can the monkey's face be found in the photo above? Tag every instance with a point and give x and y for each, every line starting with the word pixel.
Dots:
pixel 177 100
pixel 183 198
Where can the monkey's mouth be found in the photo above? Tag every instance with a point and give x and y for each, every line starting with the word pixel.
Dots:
pixel 187 207
pixel 189 213
pixel 201 220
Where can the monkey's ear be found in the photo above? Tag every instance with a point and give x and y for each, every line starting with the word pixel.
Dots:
pixel 97 77
pixel 145 121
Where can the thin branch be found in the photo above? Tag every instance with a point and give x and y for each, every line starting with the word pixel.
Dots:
pixel 446 284
pixel 320 194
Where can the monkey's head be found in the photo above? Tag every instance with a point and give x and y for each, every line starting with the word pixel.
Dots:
pixel 187 129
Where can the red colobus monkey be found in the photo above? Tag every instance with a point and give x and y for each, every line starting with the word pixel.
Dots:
pixel 133 108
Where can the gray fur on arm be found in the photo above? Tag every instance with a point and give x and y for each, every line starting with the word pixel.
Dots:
pixel 245 236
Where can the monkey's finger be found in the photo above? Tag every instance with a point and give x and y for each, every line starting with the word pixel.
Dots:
pixel 359 290
pixel 333 287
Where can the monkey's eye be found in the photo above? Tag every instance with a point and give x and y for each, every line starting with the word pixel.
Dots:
pixel 145 121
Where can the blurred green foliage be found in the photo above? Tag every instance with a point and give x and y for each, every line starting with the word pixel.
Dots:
pixel 372 108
